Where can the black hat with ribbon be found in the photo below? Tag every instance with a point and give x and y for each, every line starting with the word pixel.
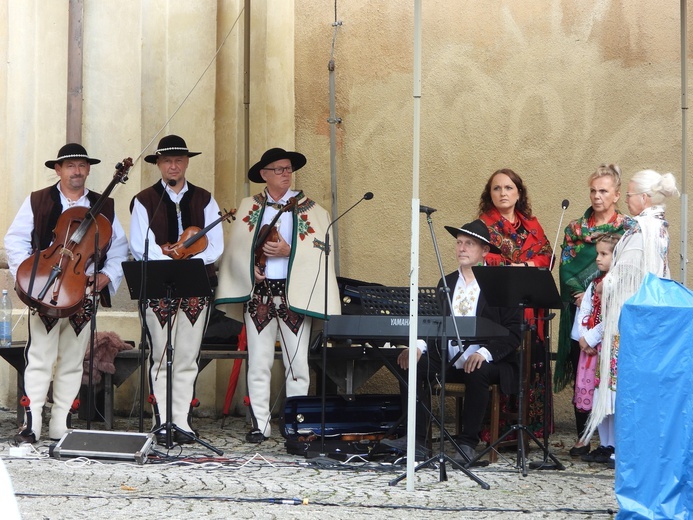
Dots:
pixel 476 229
pixel 170 145
pixel 72 151
pixel 298 161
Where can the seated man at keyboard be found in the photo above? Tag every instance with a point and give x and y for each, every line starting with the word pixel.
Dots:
pixel 477 367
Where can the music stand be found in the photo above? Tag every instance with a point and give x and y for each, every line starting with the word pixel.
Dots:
pixel 394 301
pixel 526 288
pixel 170 279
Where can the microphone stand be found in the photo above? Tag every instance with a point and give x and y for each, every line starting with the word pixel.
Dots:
pixel 92 329
pixel 442 457
pixel 323 382
pixel 548 392
pixel 142 304
pixel 564 206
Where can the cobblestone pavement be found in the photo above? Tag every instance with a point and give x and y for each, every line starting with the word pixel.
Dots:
pixel 195 483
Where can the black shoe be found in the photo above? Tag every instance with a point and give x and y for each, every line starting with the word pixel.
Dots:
pixel 161 438
pixel 421 452
pixel 181 437
pixel 579 451
pixel 611 464
pixel 471 455
pixel 255 437
pixel 602 455
pixel 25 436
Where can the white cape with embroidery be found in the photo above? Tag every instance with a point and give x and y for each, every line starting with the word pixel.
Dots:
pixel 642 249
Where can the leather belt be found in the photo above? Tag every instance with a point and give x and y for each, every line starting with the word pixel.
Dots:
pixel 273 287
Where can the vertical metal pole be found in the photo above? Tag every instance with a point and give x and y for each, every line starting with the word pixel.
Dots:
pixel 74 71
pixel 246 96
pixel 334 121
pixel 684 137
pixel 414 273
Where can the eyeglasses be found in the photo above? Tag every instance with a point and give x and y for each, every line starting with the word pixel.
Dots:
pixel 281 169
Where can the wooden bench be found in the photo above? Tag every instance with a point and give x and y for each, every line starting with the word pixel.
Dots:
pixel 349 372
pixel 128 361
pixel 14 355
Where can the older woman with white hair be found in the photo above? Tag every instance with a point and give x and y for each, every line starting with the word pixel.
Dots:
pixel 642 249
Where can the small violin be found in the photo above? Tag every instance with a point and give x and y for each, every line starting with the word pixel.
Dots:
pixel 193 239
pixel 269 233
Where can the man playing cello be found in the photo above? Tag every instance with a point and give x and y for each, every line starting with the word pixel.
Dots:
pixel 57 345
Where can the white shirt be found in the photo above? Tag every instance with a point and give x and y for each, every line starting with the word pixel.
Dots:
pixel 18 240
pixel 139 224
pixel 465 300
pixel 277 268
pixel 592 336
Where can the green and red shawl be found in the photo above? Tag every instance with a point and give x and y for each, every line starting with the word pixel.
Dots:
pixel 577 270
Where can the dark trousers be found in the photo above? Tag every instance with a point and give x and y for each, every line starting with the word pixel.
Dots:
pixel 476 397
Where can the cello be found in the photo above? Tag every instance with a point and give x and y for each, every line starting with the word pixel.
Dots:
pixel 54 281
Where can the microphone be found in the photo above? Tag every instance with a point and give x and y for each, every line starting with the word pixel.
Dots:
pixel 173 182
pixel 564 206
pixel 366 196
pixel 426 209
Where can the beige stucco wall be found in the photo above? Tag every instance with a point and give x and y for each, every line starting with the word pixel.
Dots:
pixel 549 89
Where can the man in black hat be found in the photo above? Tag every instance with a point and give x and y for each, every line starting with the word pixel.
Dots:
pixel 273 281
pixel 56 347
pixel 160 215
pixel 479 366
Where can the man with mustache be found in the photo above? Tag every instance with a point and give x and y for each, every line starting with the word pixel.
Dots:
pixel 56 346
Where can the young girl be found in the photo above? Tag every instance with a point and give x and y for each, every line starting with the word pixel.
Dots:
pixel 588 331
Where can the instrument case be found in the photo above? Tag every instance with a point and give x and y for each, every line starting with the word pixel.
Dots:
pixel 353 424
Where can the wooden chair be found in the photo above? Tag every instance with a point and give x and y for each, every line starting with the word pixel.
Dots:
pixel 494 413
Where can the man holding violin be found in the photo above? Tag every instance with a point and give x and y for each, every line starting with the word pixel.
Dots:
pixel 272 275
pixel 161 214
pixel 57 342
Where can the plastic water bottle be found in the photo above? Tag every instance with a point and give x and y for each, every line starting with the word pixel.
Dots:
pixel 5 320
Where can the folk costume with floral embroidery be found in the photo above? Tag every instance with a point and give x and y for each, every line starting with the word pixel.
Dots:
pixel 277 307
pixel 577 270
pixel 521 241
pixel 642 249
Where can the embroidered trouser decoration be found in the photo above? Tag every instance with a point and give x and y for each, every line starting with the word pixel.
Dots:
pixel 78 321
pixel 55 352
pixel 188 317
pixel 262 308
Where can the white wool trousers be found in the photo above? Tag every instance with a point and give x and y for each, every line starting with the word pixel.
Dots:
pixel 186 339
pixel 57 355
pixel 261 358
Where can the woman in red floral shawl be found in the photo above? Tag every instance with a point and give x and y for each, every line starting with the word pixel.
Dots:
pixel 506 210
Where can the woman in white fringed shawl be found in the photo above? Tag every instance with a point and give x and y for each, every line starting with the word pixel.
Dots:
pixel 642 249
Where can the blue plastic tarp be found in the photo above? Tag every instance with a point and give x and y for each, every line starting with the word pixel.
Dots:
pixel 654 403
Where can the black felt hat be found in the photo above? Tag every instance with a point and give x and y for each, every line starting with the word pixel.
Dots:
pixel 298 161
pixel 476 229
pixel 72 151
pixel 170 145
